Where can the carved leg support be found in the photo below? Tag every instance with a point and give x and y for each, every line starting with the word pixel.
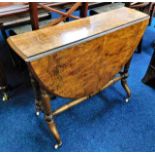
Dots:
pixel 49 118
pixel 124 80
pixel 38 100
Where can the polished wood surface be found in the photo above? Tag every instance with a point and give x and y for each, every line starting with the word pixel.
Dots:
pixel 84 69
pixel 101 47
pixel 38 42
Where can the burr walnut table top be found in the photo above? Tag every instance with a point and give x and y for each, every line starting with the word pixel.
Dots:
pixel 33 45
pixel 79 58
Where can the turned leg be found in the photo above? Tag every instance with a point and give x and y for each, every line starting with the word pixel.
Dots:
pixel 124 81
pixel 3 84
pixel 49 118
pixel 126 88
pixel 37 94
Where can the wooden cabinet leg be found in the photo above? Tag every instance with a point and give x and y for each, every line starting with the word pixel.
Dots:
pixel 124 81
pixel 49 118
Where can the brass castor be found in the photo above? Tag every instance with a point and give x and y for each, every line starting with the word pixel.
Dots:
pixel 127 100
pixel 5 97
pixel 37 113
pixel 38 107
pixel 57 146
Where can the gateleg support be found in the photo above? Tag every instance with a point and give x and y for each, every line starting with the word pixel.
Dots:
pixel 37 93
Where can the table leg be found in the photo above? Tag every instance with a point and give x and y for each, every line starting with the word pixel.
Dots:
pixel 124 80
pixel 49 117
pixel 37 93
pixel 3 83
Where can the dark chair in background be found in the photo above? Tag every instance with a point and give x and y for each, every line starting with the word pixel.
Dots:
pixel 149 77
pixel 22 17
pixel 107 7
pixel 146 7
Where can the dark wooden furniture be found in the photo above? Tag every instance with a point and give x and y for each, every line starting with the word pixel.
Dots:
pixel 106 8
pixel 146 7
pixel 64 15
pixel 149 77
pixel 11 16
pixel 20 17
pixel 80 66
pixel 3 83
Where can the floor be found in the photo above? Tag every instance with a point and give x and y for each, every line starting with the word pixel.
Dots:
pixel 103 123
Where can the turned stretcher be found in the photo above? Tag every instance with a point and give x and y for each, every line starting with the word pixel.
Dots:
pixel 78 59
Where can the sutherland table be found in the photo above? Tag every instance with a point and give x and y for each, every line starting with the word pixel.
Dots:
pixel 80 58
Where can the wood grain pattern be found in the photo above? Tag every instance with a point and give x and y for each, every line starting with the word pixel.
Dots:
pixel 38 42
pixel 84 69
pixel 87 67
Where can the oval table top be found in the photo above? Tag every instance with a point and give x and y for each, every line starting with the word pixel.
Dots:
pixel 35 44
